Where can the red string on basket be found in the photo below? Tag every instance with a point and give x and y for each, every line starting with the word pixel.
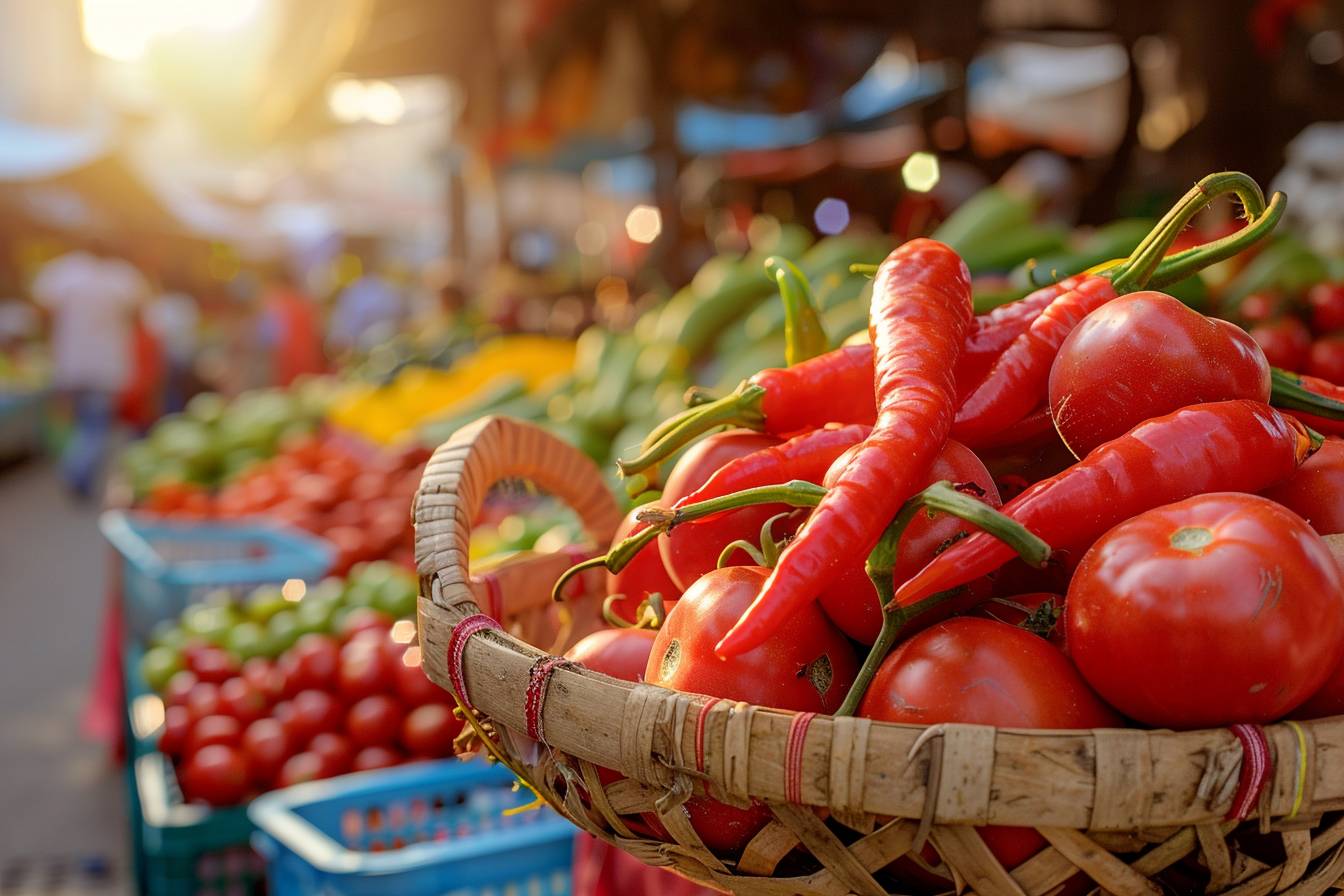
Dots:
pixel 457 645
pixel 700 732
pixel 1257 768
pixel 534 700
pixel 493 595
pixel 793 756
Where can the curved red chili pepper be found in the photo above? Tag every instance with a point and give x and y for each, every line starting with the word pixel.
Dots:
pixel 992 333
pixel 1242 446
pixel 1299 395
pixel 806 457
pixel 920 313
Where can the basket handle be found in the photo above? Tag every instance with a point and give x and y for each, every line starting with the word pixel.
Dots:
pixel 454 487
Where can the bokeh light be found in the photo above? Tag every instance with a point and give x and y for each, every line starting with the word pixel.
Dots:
pixel 644 223
pixel 831 215
pixel 920 172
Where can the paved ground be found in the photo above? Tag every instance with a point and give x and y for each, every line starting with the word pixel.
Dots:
pixel 61 806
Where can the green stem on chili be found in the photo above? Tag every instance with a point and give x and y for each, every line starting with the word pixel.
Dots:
pixel 804 335
pixel 1288 391
pixel 881 563
pixel 741 407
pixel 1177 267
pixel 869 270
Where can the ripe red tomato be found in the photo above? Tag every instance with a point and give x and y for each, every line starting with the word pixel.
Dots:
pixel 688 552
pixel 984 672
pixel 374 721
pixel 203 700
pixel 850 601
pixel 336 751
pixel 1143 355
pixel 266 745
pixel 1326 359
pixel 214 774
pixel 218 729
pixel 619 652
pixel 1259 307
pixel 311 663
pixel 807 665
pixel 242 701
pixel 362 619
pixel 429 731
pixel 1316 491
pixel 1231 595
pixel 365 670
pixel 263 675
pixel 176 728
pixel 315 712
pixel 179 686
pixel 413 687
pixel 641 577
pixel 213 664
pixel 1285 342
pixel 1327 307
pixel 370 758
pixel 301 768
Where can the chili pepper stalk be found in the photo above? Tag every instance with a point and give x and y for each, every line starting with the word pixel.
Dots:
pixel 804 334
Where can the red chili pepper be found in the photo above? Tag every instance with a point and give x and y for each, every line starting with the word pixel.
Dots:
pixel 1299 395
pixel 1031 428
pixel 805 457
pixel 1241 446
pixel 992 333
pixel 920 313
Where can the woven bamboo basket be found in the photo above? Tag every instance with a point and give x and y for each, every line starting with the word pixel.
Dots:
pixel 1124 811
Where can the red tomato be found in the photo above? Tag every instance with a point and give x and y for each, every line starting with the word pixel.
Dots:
pixel 1259 307
pixel 1143 355
pixel 315 712
pixel 266 746
pixel 1285 342
pixel 351 546
pixel 618 652
pixel 414 687
pixel 1326 359
pixel 1327 307
pixel 429 730
pixel 374 721
pixel 362 619
pixel 176 729
pixel 336 751
pixel 203 700
pixel 1231 595
pixel 301 768
pixel 850 601
pixel 983 672
pixel 213 664
pixel 1316 491
pixel 262 674
pixel 371 758
pixel 364 671
pixel 311 663
pixel 807 665
pixel 217 729
pixel 641 577
pixel 215 774
pixel 179 686
pixel 688 552
pixel 242 701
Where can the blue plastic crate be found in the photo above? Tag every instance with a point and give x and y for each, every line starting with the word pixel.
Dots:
pixel 427 829
pixel 167 564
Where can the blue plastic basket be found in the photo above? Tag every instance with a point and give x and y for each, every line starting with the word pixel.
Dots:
pixel 427 829
pixel 167 565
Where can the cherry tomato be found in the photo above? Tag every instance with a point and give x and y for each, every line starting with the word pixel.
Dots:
pixel 1143 355
pixel 365 669
pixel 203 700
pixel 1327 307
pixel 301 768
pixel 217 729
pixel 850 600
pixel 619 652
pixel 983 672
pixel 1285 342
pixel 242 701
pixel 363 619
pixel 315 712
pixel 214 774
pixel 643 576
pixel 374 721
pixel 1316 491
pixel 412 686
pixel 1326 358
pixel 1259 307
pixel 370 758
pixel 266 745
pixel 311 663
pixel 179 686
pixel 1231 595
pixel 213 664
pixel 689 552
pixel 807 665
pixel 263 675
pixel 176 729
pixel 336 751
pixel 429 730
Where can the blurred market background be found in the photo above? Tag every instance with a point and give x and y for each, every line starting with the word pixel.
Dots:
pixel 258 256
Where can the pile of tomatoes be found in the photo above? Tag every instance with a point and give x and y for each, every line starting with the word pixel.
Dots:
pixel 1303 333
pixel 352 698
pixel 358 500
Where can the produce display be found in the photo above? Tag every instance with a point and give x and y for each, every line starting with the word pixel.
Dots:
pixel 286 687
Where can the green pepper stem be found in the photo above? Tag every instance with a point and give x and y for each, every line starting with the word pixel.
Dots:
pixel 1287 391
pixel 881 565
pixel 1177 267
pixel 614 560
pixel 733 547
pixel 804 335
pixel 742 407
pixel 868 269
